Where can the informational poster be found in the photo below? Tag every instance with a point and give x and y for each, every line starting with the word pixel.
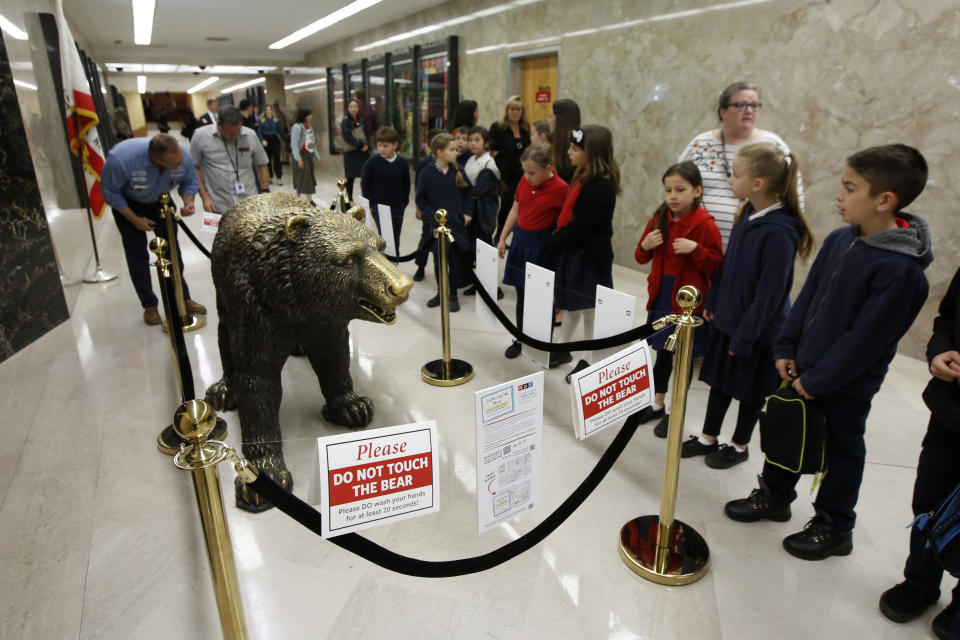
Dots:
pixel 538 310
pixel 211 221
pixel 611 390
pixel 509 435
pixel 487 262
pixel 613 314
pixel 376 477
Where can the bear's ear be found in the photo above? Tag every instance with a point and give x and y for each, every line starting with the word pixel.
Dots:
pixel 358 213
pixel 295 223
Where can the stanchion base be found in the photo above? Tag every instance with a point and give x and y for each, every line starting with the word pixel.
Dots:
pixel 190 323
pixel 168 442
pixel 100 276
pixel 689 556
pixel 458 372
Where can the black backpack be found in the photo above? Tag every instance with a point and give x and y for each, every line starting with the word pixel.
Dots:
pixel 793 432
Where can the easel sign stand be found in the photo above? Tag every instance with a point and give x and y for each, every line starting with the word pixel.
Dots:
pixel 660 548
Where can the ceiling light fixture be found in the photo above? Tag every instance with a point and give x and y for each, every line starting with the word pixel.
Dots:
pixel 303 84
pixel 143 20
pixel 243 85
pixel 12 30
pixel 141 84
pixel 327 21
pixel 202 85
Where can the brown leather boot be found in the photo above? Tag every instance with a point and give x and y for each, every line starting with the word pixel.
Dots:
pixel 151 316
pixel 195 308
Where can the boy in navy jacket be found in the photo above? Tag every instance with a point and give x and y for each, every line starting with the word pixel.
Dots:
pixel 862 294
pixel 385 182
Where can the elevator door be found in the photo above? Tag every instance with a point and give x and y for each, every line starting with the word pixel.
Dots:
pixel 538 85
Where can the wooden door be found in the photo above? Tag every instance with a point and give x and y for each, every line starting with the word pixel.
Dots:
pixel 539 85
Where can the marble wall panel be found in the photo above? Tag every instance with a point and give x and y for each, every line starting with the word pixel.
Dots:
pixel 31 298
pixel 835 77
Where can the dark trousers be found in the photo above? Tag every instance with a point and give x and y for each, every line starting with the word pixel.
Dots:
pixel 662 369
pixel 846 451
pixel 520 309
pixel 426 240
pixel 506 203
pixel 350 189
pixel 747 416
pixel 275 164
pixel 460 250
pixel 396 217
pixel 937 474
pixel 138 256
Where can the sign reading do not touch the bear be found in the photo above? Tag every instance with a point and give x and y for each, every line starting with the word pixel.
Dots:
pixel 366 479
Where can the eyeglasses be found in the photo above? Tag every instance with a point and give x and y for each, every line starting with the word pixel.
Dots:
pixel 743 106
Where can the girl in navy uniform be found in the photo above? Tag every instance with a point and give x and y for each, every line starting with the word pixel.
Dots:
pixel 532 218
pixel 443 186
pixel 581 245
pixel 683 245
pixel 750 303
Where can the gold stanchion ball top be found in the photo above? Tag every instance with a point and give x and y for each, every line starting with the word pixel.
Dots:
pixel 159 247
pixel 688 297
pixel 194 420
pixel 341 184
pixel 441 217
pixel 165 198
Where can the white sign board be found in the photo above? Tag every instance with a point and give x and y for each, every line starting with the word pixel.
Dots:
pixel 509 436
pixel 613 314
pixel 376 477
pixel 487 264
pixel 211 221
pixel 386 228
pixel 538 310
pixel 612 389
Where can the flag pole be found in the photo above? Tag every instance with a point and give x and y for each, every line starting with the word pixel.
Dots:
pixel 99 275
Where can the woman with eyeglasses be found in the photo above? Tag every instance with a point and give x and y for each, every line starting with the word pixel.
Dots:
pixel 712 151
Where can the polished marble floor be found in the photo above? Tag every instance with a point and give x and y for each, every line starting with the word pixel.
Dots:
pixel 99 535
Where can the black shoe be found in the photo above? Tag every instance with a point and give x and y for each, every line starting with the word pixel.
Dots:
pixel 560 357
pixel 514 350
pixel 470 291
pixel 944 620
pixel 500 294
pixel 454 304
pixel 726 456
pixel 418 276
pixel 662 427
pixel 759 505
pixel 693 447
pixel 298 350
pixel 650 413
pixel 903 603
pixel 819 539
pixel 581 365
pixel 434 301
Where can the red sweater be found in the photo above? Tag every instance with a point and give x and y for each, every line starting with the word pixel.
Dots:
pixel 697 267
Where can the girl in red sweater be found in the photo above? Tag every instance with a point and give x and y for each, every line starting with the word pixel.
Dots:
pixel 683 245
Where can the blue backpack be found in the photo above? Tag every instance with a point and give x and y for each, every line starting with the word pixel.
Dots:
pixel 941 527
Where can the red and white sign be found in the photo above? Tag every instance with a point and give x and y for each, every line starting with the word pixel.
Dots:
pixel 374 477
pixel 612 389
pixel 543 96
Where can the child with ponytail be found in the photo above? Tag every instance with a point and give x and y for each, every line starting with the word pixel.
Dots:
pixel 683 245
pixel 442 185
pixel 750 303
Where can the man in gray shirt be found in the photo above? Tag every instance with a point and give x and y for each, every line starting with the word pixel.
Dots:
pixel 225 156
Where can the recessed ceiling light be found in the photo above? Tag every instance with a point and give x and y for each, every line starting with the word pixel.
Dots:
pixel 141 84
pixel 202 85
pixel 243 85
pixel 143 20
pixel 327 21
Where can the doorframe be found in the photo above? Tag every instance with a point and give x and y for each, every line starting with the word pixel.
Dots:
pixel 514 72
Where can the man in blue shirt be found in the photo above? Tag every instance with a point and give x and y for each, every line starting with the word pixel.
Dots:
pixel 136 173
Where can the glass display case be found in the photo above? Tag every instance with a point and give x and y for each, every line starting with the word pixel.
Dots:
pixel 377 89
pixel 335 106
pixel 402 109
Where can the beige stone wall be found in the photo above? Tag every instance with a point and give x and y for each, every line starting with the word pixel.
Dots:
pixel 835 77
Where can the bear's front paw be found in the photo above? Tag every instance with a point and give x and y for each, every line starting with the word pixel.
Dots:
pixel 349 410
pixel 219 396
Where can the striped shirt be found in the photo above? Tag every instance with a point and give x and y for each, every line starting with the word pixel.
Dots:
pixel 706 151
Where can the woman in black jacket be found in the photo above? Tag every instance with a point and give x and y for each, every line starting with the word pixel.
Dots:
pixel 354 132
pixel 509 137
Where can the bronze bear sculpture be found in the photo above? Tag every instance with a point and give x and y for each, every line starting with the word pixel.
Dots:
pixel 288 274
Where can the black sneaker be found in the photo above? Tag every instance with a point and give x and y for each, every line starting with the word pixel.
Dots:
pixel 663 427
pixel 418 276
pixel 726 456
pixel 558 358
pixel 500 294
pixel 514 350
pixel 819 539
pixel 581 365
pixel 944 620
pixel 470 291
pixel 759 505
pixel 454 304
pixel 903 603
pixel 650 413
pixel 434 301
pixel 693 447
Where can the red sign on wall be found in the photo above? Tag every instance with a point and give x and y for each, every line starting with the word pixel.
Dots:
pixel 543 96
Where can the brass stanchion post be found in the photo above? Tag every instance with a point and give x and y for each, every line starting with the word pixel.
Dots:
pixel 661 548
pixel 169 215
pixel 194 421
pixel 447 372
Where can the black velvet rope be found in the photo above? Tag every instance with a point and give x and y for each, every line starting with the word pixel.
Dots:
pixel 192 237
pixel 371 551
pixel 175 327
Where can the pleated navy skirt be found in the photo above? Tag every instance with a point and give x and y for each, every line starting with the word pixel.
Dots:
pixel 525 246
pixel 749 379
pixel 576 281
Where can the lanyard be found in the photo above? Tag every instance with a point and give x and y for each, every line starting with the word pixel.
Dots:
pixel 236 146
